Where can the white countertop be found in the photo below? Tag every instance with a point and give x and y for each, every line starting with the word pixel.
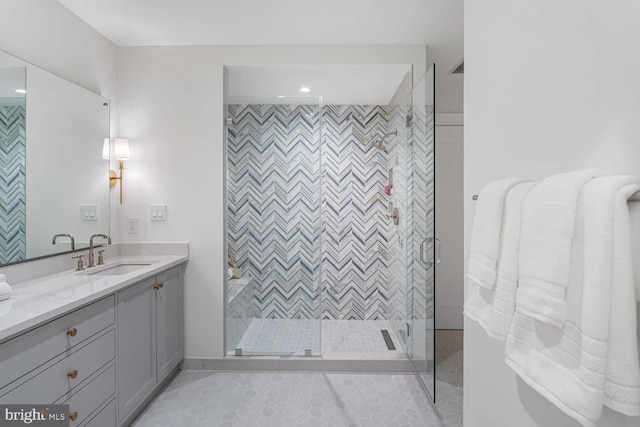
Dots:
pixel 37 301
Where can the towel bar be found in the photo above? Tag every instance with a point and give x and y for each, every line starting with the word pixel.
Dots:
pixel 634 198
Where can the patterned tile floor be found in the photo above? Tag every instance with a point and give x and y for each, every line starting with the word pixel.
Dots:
pixel 252 399
pixel 293 336
pixel 449 375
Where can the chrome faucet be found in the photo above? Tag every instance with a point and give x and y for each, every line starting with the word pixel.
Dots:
pixel 73 241
pixel 104 236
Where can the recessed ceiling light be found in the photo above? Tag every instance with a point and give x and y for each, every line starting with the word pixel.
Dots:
pixel 21 91
pixel 305 89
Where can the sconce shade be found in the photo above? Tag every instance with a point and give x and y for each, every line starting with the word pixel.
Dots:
pixel 105 149
pixel 121 149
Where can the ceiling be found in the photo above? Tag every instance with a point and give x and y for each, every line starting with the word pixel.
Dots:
pixel 272 22
pixel 12 78
pixel 351 84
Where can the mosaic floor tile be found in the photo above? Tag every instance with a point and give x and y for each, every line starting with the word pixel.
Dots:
pixel 449 376
pixel 254 399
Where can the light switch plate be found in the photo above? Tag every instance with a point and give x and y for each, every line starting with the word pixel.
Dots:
pixel 158 212
pixel 89 212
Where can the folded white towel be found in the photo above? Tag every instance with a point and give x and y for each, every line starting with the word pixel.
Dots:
pixel 5 291
pixel 622 381
pixel 589 362
pixel 548 219
pixel 493 309
pixel 486 234
pixel 634 212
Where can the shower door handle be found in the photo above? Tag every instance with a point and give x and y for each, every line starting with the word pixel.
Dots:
pixel 438 251
pixel 422 251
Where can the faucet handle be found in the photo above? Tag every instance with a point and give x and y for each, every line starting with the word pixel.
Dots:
pixel 80 262
pixel 100 257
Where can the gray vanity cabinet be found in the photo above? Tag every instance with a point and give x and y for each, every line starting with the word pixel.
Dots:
pixel 169 322
pixel 136 345
pixel 150 338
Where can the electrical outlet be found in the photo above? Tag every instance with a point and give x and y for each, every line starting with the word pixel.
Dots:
pixel 132 225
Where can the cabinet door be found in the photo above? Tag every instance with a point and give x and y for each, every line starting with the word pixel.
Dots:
pixel 136 345
pixel 169 320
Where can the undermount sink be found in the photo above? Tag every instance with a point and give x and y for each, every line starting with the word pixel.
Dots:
pixel 120 269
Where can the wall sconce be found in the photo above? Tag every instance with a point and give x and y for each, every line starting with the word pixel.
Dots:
pixel 121 153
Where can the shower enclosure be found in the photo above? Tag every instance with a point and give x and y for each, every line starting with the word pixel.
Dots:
pixel 424 249
pixel 330 227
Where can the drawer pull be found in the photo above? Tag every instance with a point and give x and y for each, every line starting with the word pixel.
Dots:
pixel 73 416
pixel 158 286
pixel 72 374
pixel 72 332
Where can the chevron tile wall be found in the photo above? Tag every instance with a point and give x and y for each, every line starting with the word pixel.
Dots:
pixel 12 184
pixel 274 205
pixel 397 305
pixel 275 160
pixel 357 256
pixel 421 215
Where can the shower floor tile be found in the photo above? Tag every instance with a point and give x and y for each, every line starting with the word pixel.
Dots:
pixel 252 399
pixel 340 338
pixel 281 337
pixel 359 336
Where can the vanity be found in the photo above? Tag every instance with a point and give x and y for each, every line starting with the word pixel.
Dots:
pixel 103 340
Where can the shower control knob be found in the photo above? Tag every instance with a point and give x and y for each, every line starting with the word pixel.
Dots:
pixel 395 215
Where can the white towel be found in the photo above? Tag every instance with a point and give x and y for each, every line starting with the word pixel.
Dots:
pixel 622 384
pixel 548 219
pixel 573 366
pixel 486 234
pixel 493 309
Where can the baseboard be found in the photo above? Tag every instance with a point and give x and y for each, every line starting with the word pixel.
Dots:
pixel 303 364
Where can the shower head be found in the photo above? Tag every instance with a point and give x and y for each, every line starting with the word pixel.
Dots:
pixel 379 143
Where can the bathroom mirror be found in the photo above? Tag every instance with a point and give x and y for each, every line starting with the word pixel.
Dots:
pixel 53 178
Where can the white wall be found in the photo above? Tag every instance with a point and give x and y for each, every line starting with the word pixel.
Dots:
pixel 549 86
pixel 449 219
pixel 171 109
pixel 46 34
pixel 446 52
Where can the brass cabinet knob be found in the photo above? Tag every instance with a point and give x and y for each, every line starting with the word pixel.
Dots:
pixel 158 286
pixel 73 416
pixel 72 374
pixel 72 332
pixel 161 285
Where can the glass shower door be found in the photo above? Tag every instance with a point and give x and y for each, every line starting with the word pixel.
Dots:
pixel 273 226
pixel 422 244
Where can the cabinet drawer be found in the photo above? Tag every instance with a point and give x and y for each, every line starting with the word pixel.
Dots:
pixel 26 352
pixel 89 398
pixel 105 418
pixel 55 381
